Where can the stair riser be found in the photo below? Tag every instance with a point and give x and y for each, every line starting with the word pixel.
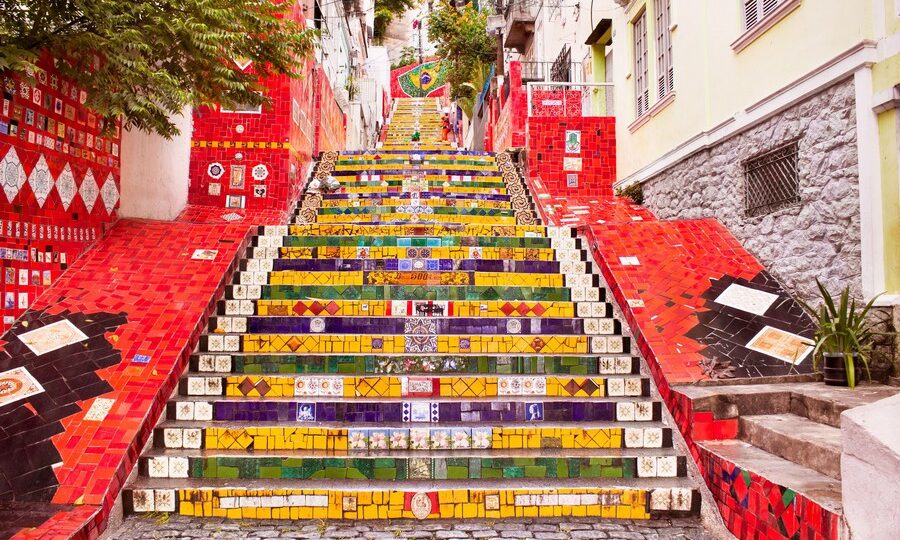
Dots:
pixel 274 364
pixel 399 469
pixel 314 410
pixel 456 504
pixel 335 441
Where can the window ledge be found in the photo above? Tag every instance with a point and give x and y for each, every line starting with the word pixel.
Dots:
pixel 652 111
pixel 771 20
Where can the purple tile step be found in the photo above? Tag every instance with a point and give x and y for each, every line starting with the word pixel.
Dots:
pixel 525 409
pixel 375 198
pixel 428 265
pixel 432 170
pixel 426 326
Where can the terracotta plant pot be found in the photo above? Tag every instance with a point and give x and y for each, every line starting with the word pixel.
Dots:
pixel 835 368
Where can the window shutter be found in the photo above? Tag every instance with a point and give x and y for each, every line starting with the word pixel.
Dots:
pixel 751 17
pixel 664 68
pixel 641 83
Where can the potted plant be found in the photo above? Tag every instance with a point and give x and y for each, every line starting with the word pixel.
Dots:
pixel 844 337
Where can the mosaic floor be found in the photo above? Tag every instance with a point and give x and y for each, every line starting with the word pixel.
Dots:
pixel 416 345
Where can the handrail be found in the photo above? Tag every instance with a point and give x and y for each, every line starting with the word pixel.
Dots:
pixel 593 99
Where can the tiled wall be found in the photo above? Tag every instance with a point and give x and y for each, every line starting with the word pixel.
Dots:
pixel 257 159
pixel 573 155
pixel 509 131
pixel 419 80
pixel 330 128
pixel 60 180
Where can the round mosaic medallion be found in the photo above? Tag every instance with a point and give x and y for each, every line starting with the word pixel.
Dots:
pixel 513 326
pixel 420 504
pixel 239 156
pixel 317 325
pixel 10 386
pixel 260 172
pixel 239 128
pixel 215 170
pixel 418 265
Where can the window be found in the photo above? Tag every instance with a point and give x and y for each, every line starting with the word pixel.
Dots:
pixel 641 86
pixel 757 10
pixel 771 180
pixel 665 74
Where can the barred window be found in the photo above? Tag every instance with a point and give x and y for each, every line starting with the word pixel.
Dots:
pixel 771 180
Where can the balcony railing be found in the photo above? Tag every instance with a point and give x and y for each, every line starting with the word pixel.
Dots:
pixel 520 16
pixel 570 99
pixel 544 72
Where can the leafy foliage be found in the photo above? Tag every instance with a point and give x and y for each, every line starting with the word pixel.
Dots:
pixel 844 329
pixel 408 55
pixel 385 11
pixel 462 39
pixel 144 60
pixel 634 191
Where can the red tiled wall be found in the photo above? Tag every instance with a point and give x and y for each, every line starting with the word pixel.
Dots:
pixel 47 128
pixel 546 141
pixel 282 137
pixel 330 128
pixel 754 507
pixel 509 130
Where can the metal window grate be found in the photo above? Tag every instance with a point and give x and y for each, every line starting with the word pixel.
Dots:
pixel 771 180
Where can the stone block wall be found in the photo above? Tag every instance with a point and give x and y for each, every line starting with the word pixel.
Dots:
pixel 820 236
pixel 59 174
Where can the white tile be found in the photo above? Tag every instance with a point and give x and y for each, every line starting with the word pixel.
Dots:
pixel 143 500
pixel 158 467
pixel 661 499
pixel 667 466
pixel 646 466
pixel 746 299
pixel 625 412
pixel 634 438
pixel 51 337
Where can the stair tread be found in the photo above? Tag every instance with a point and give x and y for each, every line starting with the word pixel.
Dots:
pixel 143 482
pixel 232 424
pixel 481 453
pixel 801 429
pixel 824 490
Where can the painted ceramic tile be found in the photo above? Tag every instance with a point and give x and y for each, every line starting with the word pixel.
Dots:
pixel 52 337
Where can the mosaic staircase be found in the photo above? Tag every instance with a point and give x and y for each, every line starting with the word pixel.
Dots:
pixel 414 345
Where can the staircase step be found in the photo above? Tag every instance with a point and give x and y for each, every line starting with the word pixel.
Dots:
pixel 284 363
pixel 453 386
pixel 334 438
pixel 248 499
pixel 395 466
pixel 819 488
pixel 797 439
pixel 414 410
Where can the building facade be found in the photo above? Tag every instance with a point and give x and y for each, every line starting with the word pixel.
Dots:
pixel 747 111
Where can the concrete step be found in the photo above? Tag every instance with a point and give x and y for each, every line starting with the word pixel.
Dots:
pixel 797 439
pixel 812 400
pixel 822 489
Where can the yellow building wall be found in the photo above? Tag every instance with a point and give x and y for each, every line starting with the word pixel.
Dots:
pixel 712 81
pixel 885 75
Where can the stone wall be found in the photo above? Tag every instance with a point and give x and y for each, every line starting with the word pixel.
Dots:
pixel 820 236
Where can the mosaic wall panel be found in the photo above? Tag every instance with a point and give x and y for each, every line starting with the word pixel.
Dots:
pixel 60 183
pixel 419 80
pixel 754 507
pixel 573 155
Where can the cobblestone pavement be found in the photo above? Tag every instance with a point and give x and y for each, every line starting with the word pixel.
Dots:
pixel 159 527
